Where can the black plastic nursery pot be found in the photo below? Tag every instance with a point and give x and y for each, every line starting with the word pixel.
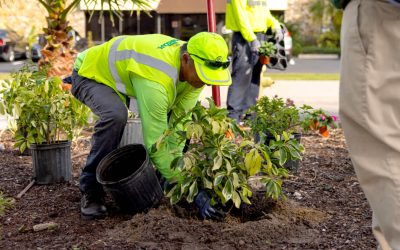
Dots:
pixel 51 162
pixel 129 177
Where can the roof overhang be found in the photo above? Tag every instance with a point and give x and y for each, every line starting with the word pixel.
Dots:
pixel 123 5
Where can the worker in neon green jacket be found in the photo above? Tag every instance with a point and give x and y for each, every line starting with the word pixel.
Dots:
pixel 249 20
pixel 164 75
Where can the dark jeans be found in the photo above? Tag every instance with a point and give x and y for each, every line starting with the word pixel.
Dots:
pixel 246 70
pixel 108 130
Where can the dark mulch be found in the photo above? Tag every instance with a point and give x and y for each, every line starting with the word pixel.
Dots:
pixel 325 209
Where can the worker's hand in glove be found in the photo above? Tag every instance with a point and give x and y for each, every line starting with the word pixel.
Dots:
pixel 278 34
pixel 206 211
pixel 255 45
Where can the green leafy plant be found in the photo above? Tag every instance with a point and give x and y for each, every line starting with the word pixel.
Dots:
pixel 266 49
pixel 275 116
pixel 221 158
pixel 5 203
pixel 39 109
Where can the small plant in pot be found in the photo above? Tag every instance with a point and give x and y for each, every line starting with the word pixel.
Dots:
pixel 273 117
pixel 221 159
pixel 265 51
pixel 45 118
pixel 319 120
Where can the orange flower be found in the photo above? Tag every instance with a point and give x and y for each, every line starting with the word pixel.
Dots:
pixel 65 86
pixel 229 134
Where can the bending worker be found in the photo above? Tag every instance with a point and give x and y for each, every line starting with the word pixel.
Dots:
pixel 164 75
pixel 249 20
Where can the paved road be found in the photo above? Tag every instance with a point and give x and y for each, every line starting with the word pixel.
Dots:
pixel 328 65
pixel 317 65
pixel 7 67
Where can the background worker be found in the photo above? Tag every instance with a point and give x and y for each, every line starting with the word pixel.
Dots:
pixel 369 102
pixel 249 20
pixel 165 76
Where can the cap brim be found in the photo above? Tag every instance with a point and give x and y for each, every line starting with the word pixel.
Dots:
pixel 220 77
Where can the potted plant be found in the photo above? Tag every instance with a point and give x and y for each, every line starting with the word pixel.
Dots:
pixel 320 121
pixel 266 49
pixel 274 116
pixel 45 118
pixel 221 159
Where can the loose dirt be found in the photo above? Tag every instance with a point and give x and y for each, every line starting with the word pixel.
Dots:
pixel 325 209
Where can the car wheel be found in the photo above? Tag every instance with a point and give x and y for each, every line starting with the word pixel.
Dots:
pixel 10 56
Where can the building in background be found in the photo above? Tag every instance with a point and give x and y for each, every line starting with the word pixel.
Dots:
pixel 177 18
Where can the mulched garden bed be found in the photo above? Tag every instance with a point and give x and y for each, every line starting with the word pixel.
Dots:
pixel 325 209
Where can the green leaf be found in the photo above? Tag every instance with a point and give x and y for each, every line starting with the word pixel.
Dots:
pixel 207 183
pixel 218 178
pixel 187 163
pixel 283 156
pixel 185 185
pixel 244 197
pixel 193 190
pixel 227 191
pixel 217 163
pixel 228 166
pixel 235 180
pixel 2 109
pixel 17 109
pixel 215 127
pixel 236 199
pixel 253 162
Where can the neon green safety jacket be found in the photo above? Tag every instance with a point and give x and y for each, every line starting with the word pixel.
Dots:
pixel 248 17
pixel 147 68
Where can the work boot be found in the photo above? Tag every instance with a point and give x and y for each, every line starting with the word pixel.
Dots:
pixel 93 206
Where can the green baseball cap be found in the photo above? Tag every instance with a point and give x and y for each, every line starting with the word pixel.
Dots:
pixel 209 52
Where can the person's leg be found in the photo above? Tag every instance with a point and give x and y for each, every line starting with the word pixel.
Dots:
pixel 255 79
pixel 112 113
pixel 369 109
pixel 241 76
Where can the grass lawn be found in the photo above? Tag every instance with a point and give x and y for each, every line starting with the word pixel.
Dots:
pixel 303 76
pixel 4 76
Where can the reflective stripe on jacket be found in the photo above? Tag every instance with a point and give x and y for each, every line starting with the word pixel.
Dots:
pixel 248 17
pixel 154 57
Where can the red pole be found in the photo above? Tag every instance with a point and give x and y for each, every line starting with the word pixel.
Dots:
pixel 212 28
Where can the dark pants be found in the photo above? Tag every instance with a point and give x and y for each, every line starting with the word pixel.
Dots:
pixel 246 70
pixel 108 130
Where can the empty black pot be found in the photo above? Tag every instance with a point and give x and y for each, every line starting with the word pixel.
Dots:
pixel 128 175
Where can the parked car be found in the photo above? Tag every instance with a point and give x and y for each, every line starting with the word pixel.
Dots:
pixel 12 46
pixel 79 44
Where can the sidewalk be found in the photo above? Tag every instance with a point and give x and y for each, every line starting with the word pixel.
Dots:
pixel 318 94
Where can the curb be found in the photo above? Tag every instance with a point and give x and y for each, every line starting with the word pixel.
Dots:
pixel 318 56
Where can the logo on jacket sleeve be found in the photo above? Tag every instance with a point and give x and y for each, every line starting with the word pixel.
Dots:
pixel 169 43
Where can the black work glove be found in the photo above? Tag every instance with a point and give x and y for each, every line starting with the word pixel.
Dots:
pixel 206 211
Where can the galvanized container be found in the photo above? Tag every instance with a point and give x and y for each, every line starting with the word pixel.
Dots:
pixel 132 132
